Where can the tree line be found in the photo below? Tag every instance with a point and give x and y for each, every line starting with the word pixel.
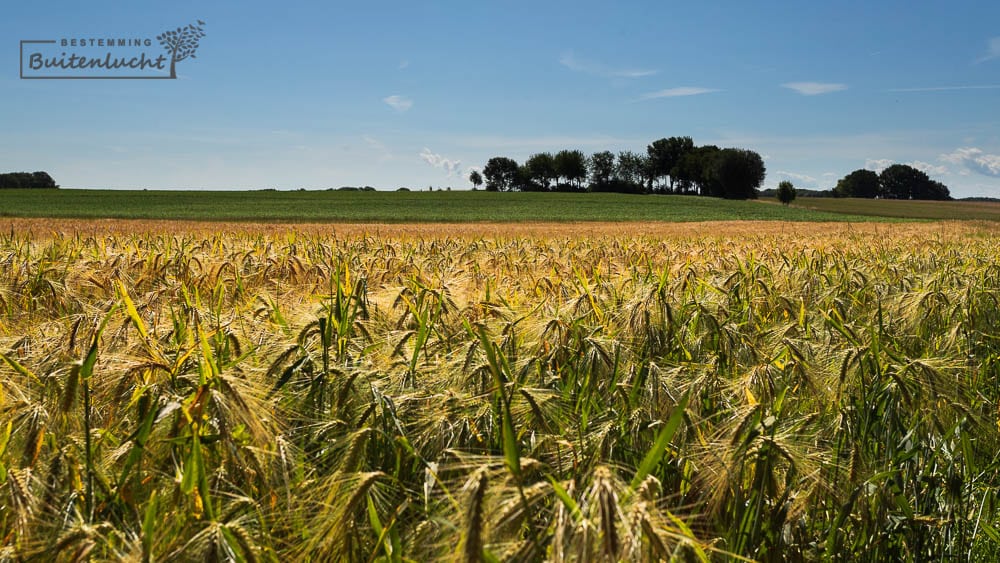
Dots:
pixel 18 180
pixel 675 165
pixel 899 181
pixel 670 166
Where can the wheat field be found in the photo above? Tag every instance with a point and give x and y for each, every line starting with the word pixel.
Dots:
pixel 571 392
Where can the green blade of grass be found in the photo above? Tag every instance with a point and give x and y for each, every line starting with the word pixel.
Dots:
pixel 659 448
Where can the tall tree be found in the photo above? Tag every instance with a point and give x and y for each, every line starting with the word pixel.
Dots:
pixel 630 172
pixel 937 190
pixel 902 181
pixel 740 173
pixel 541 169
pixel 860 183
pixel 501 174
pixel 602 170
pixel 571 165
pixel 665 154
pixel 476 178
pixel 786 192
pixel 695 173
pixel 523 181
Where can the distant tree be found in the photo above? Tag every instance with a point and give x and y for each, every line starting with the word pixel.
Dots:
pixel 739 172
pixel 501 174
pixel 523 181
pixel 896 181
pixel 695 172
pixel 786 192
pixel 937 191
pixel 630 172
pixel 181 43
pixel 541 169
pixel 27 180
pixel 602 170
pixel 42 180
pixel 476 178
pixel 707 170
pixel 648 174
pixel 571 165
pixel 860 183
pixel 902 181
pixel 664 156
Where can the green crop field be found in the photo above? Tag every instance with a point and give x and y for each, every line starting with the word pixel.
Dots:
pixel 391 207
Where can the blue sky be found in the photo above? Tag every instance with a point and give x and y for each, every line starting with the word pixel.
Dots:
pixel 325 94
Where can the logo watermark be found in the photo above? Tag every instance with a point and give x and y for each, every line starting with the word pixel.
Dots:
pixel 119 58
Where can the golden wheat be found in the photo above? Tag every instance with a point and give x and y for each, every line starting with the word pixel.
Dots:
pixel 636 392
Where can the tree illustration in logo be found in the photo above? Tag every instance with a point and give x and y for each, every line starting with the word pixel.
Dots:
pixel 181 43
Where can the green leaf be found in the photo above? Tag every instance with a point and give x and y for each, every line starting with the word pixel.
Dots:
pixel 133 313
pixel 5 437
pixel 491 357
pixel 234 544
pixel 19 368
pixel 139 438
pixel 686 531
pixel 992 532
pixel 562 495
pixel 511 451
pixel 373 516
pixel 87 368
pixel 149 525
pixel 192 469
pixel 659 448
pixel 71 390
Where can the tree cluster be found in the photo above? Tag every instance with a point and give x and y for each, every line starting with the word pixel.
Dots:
pixel 21 180
pixel 899 181
pixel 670 166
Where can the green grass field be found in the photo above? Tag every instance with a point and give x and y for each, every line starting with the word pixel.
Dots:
pixel 391 207
pixel 459 207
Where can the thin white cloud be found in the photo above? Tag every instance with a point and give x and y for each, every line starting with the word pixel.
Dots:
pixel 878 165
pixel 570 61
pixel 975 159
pixel 947 88
pixel 378 147
pixel 678 92
pixel 438 161
pixel 800 178
pixel 373 142
pixel 929 168
pixel 403 64
pixel 398 103
pixel 992 50
pixel 814 88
